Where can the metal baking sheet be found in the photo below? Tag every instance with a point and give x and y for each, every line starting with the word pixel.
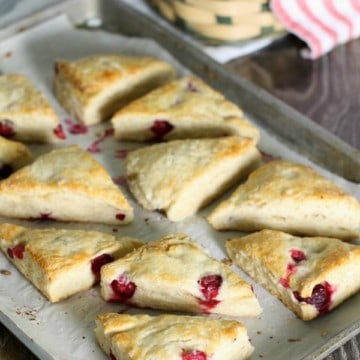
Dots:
pixel 65 330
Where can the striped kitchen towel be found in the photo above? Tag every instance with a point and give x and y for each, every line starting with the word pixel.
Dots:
pixel 322 24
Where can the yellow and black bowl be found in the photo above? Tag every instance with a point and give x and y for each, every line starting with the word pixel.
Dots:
pixel 221 21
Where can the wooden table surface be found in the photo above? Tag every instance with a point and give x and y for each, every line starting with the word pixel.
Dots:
pixel 326 90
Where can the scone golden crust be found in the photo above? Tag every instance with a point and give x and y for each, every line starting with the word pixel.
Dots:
pixel 290 197
pixel 182 176
pixel 60 262
pixel 171 337
pixel 311 275
pixel 66 184
pixel 93 88
pixel 13 156
pixel 25 113
pixel 184 108
pixel 175 273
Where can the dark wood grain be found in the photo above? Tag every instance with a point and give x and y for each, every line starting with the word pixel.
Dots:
pixel 11 348
pixel 326 90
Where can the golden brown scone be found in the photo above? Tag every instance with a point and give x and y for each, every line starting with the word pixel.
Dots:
pixel 310 275
pixel 13 156
pixel 93 88
pixel 25 113
pixel 182 176
pixel 171 337
pixel 59 262
pixel 290 197
pixel 66 184
pixel 183 108
pixel 175 273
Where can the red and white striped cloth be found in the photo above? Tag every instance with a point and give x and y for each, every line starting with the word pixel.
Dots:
pixel 322 24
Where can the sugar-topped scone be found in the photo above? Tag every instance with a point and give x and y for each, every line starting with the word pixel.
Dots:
pixel 61 262
pixel 311 275
pixel 176 273
pixel 182 176
pixel 66 184
pixel 94 87
pixel 290 197
pixel 25 113
pixel 171 337
pixel 13 156
pixel 183 108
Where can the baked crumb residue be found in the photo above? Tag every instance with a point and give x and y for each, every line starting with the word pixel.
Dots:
pixel 5 272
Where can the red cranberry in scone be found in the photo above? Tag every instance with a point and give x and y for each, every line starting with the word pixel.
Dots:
pixel 310 275
pixel 175 273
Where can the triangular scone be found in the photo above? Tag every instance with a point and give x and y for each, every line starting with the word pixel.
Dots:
pixel 290 197
pixel 310 275
pixel 182 176
pixel 184 108
pixel 13 156
pixel 60 262
pixel 171 337
pixel 175 273
pixel 93 88
pixel 66 184
pixel 25 113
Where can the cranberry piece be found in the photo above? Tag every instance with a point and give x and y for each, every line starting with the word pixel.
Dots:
pixel 75 128
pixel 78 129
pixel 120 180
pixel 123 288
pixel 290 270
pixel 7 128
pixel 42 217
pixel 112 356
pixel 17 251
pixel 98 262
pixel 120 216
pixel 193 355
pixel 320 297
pixel 160 128
pixel 94 147
pixel 268 157
pixel 192 87
pixel 209 286
pixel 59 132
pixel 121 153
pixel 108 133
pixel 208 304
pixel 5 171
pixel 297 255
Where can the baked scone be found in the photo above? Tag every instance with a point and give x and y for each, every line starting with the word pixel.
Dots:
pixel 175 273
pixel 290 197
pixel 25 113
pixel 93 88
pixel 182 176
pixel 310 275
pixel 66 184
pixel 184 108
pixel 13 156
pixel 171 337
pixel 61 262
